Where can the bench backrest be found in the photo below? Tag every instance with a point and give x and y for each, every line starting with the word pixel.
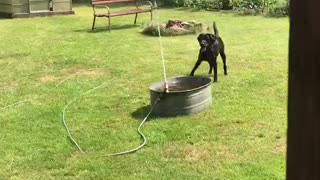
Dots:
pixel 102 2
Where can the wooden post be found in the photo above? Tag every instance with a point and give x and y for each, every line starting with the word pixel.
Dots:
pixel 303 154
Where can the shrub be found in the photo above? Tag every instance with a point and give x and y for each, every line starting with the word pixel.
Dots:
pixel 226 4
pixel 198 4
pixel 245 7
pixel 278 7
pixel 272 7
pixel 248 7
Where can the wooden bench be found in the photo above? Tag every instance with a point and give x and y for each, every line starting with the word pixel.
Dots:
pixel 137 9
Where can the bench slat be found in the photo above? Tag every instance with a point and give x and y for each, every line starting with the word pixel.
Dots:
pixel 120 13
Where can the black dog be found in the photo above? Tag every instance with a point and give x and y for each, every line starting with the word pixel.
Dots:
pixel 211 45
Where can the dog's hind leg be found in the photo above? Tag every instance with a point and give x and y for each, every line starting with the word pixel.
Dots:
pixel 224 59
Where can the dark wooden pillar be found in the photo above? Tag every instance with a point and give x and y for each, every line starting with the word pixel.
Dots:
pixel 303 154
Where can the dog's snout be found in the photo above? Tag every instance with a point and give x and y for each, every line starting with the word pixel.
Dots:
pixel 204 42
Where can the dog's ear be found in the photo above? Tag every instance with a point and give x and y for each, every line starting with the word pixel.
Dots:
pixel 200 35
pixel 213 37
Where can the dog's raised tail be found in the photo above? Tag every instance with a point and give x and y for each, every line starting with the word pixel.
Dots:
pixel 215 29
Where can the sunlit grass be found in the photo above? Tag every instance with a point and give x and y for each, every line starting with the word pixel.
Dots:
pixel 47 62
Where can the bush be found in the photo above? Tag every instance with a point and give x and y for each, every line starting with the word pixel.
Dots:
pixel 278 7
pixel 203 4
pixel 171 3
pixel 246 7
pixel 198 4
pixel 226 4
pixel 247 4
pixel 272 7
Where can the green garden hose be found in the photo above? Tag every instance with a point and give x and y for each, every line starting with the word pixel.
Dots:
pixel 115 154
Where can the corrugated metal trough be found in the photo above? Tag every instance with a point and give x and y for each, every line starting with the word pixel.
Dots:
pixel 187 95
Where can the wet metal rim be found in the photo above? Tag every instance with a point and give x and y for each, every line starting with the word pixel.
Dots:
pixel 187 95
pixel 189 83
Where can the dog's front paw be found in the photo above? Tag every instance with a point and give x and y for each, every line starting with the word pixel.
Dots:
pixel 215 79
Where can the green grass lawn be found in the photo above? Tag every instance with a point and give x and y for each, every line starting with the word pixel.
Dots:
pixel 47 62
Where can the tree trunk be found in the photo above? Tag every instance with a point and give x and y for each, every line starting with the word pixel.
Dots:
pixel 303 154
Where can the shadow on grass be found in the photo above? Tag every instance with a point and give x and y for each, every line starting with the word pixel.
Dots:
pixel 236 13
pixel 141 112
pixel 106 29
pixel 14 55
pixel 203 10
pixel 276 16
pixel 190 9
pixel 81 4
pixel 3 18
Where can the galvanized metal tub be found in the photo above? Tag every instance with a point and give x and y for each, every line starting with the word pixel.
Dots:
pixel 187 95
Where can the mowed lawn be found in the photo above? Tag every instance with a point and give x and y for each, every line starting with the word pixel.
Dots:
pixel 47 63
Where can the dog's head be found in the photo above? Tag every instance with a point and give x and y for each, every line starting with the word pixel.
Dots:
pixel 206 41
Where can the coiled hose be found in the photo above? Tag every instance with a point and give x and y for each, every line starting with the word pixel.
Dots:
pixel 115 154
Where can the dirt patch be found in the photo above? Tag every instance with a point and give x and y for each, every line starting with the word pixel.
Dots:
pixel 74 155
pixel 193 154
pixel 71 73
pixel 48 79
pixel 12 86
pixel 188 153
pixel 85 72
pixel 280 148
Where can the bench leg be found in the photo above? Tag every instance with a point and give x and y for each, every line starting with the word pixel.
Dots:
pixel 135 19
pixel 109 23
pixel 151 15
pixel 93 23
